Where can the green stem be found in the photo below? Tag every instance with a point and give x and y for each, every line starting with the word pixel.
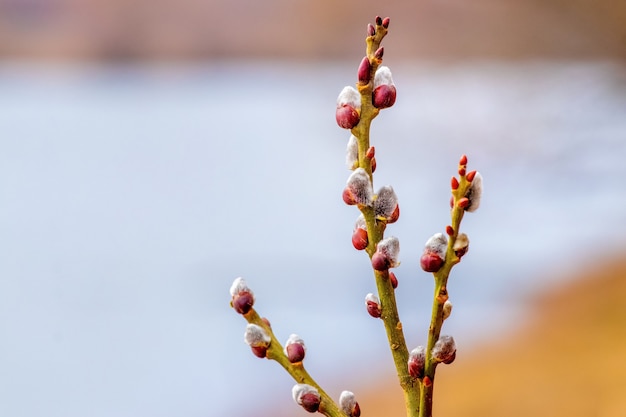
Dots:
pixel 275 352
pixel 376 230
pixel 439 298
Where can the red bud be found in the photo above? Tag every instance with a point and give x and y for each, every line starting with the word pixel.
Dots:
pixel 371 151
pixel 463 160
pixel 372 303
pixel 310 402
pixel 449 230
pixel 431 262
pixel 295 352
pixel 373 165
pixel 359 239
pixel 451 359
pixel 379 53
pixel 393 279
pixel 347 116
pixel 363 74
pixel 395 215
pixel 386 22
pixel 306 396
pixel 379 21
pixel 454 183
pixel 380 261
pixel 348 197
pixel 259 351
pixel 384 96
pixel 371 31
pixel 463 202
pixel 243 302
pixel 470 176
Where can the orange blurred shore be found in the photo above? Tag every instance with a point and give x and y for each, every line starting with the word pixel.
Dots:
pixel 570 360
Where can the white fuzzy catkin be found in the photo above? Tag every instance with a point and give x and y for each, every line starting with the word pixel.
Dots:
pixel 437 243
pixel 361 187
pixel 347 402
pixel 383 76
pixel 360 223
pixel 372 298
pixel 447 309
pixel 294 338
pixel 352 153
pixel 444 348
pixel 474 193
pixel 350 96
pixel 386 202
pixel 416 362
pixel 299 390
pixel 390 246
pixel 255 336
pixel 461 242
pixel 239 286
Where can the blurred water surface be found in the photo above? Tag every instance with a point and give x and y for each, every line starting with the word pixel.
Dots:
pixel 132 197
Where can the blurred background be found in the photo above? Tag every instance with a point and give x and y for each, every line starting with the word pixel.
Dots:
pixel 151 152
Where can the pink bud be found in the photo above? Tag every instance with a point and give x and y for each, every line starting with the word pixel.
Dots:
pixel 386 22
pixel 371 31
pixel 417 360
pixel 242 296
pixel 358 188
pixel 386 255
pixel 364 71
pixel 348 104
pixel 295 349
pixel 434 254
pixel 444 350
pixel 372 303
pixel 349 405
pixel 306 396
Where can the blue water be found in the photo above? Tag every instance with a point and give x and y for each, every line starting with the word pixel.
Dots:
pixel 132 197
